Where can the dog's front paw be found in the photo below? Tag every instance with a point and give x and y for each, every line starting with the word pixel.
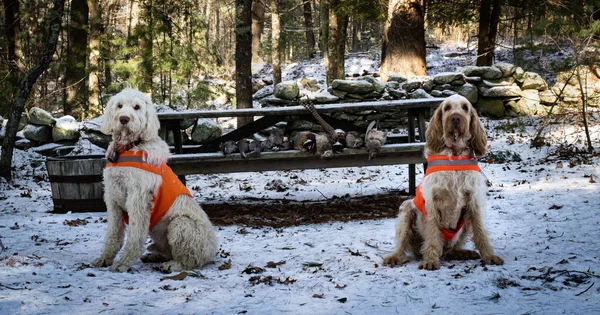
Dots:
pixel 492 260
pixel 102 262
pixel 395 260
pixel 120 267
pixel 154 257
pixel 170 266
pixel 429 265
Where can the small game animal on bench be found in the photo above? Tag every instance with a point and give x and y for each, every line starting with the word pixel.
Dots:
pixel 450 200
pixel 142 192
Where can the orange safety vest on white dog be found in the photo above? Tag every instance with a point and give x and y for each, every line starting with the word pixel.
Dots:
pixel 437 163
pixel 170 188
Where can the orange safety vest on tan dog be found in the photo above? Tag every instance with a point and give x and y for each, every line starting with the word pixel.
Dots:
pixel 170 188
pixel 437 163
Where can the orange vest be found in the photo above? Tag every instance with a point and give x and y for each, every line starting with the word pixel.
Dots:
pixel 170 188
pixel 437 163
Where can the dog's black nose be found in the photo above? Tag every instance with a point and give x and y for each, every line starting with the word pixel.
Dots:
pixel 124 120
pixel 456 119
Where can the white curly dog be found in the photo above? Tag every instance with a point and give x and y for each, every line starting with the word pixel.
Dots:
pixel 141 191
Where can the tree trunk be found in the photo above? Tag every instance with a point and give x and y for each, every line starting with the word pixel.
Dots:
pixel 243 57
pixel 338 24
pixel 309 35
pixel 15 55
pixel 275 42
pixel 209 18
pixel 75 74
pixel 145 39
pixel 258 24
pixel 356 27
pixel 94 59
pixel 25 86
pixel 324 31
pixel 489 15
pixel 403 46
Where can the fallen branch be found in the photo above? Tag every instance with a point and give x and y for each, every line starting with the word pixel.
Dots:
pixel 582 292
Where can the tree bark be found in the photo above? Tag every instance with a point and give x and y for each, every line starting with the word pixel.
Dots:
pixel 258 24
pixel 403 46
pixel 338 24
pixel 145 39
pixel 95 21
pixel 324 31
pixel 75 75
pixel 14 53
pixel 489 15
pixel 25 86
pixel 309 35
pixel 243 57
pixel 275 42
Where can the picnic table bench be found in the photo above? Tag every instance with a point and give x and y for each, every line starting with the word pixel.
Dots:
pixel 206 158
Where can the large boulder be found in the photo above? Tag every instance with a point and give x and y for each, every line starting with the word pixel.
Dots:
pixel 491 107
pixel 498 82
pixel 38 116
pixel 353 86
pixel 378 86
pixel 529 104
pixel 53 149
pixel 287 90
pixel 547 97
pixel 66 128
pixel 533 81
pixel 38 133
pixel 472 71
pixel 500 91
pixel 262 93
pixel 447 77
pixel 506 68
pixel 412 85
pixel 310 84
pixel 397 78
pixel 325 97
pixel 469 91
pixel 98 138
pixel 205 130
pixel 491 73
pixel 419 93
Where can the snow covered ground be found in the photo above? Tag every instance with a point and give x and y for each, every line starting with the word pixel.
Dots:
pixel 543 216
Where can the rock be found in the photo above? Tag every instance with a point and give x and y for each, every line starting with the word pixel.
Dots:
pixel 426 82
pixel 267 80
pixel 533 81
pixel 52 149
pixel 205 130
pixel 529 104
pixel 567 91
pixel 262 93
pixel 392 85
pixel 302 125
pixel 398 93
pixel 38 116
pixel 310 84
pixel 473 79
pixel 397 78
pixel 469 91
pixel 354 96
pixel 277 101
pixel 500 91
pixel 443 87
pixel 508 81
pixel 338 93
pixel 39 133
pixel 325 97
pixel 186 123
pixel 501 157
pixel 447 77
pixel 436 93
pixel 506 68
pixel 353 86
pixel 377 85
pixel 411 85
pixel 459 82
pixel 448 92
pixel 24 144
pixel 287 90
pixel 23 122
pixel 491 73
pixel 66 128
pixel 98 138
pixel 470 71
pixel 518 74
pixel 511 109
pixel 547 97
pixel 491 107
pixel 419 93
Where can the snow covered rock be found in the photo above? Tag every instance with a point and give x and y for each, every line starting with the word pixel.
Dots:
pixel 447 77
pixel 205 130
pixel 353 86
pixel 492 107
pixel 469 91
pixel 533 81
pixel 38 133
pixel 66 128
pixel 506 68
pixel 38 116
pixel 287 90
pixel 500 91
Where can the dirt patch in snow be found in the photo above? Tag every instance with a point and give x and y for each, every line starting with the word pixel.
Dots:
pixel 283 212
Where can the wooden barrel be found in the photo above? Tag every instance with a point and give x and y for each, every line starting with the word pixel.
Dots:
pixel 76 183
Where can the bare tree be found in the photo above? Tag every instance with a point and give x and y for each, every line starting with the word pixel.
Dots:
pixel 258 24
pixel 25 86
pixel 243 57
pixel 489 15
pixel 308 30
pixel 338 25
pixel 75 75
pixel 403 47
pixel 275 42
pixel 95 22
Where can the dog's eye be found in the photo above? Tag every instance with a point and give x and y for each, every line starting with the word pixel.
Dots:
pixel 120 105
pixel 465 107
pixel 447 108
pixel 136 107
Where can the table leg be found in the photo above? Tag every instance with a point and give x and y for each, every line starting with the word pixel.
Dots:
pixel 412 171
pixel 176 130
pixel 422 130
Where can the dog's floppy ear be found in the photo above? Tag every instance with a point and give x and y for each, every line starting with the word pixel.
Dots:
pixel 153 124
pixel 108 122
pixel 478 135
pixel 435 131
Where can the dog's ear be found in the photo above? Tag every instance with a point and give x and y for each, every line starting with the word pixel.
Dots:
pixel 153 124
pixel 478 135
pixel 435 131
pixel 108 122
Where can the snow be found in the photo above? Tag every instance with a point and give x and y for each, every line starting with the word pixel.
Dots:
pixel 543 215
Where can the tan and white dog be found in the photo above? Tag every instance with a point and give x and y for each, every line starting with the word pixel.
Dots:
pixel 139 188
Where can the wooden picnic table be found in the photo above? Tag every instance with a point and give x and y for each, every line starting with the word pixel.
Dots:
pixel 205 159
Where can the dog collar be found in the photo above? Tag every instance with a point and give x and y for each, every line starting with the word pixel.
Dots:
pixel 114 154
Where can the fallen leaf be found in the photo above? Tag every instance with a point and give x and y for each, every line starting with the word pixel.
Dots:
pixel 343 300
pixel 180 276
pixel 555 207
pixel 272 264
pixel 252 270
pixel 312 264
pixel 337 286
pixel 226 265
pixel 319 296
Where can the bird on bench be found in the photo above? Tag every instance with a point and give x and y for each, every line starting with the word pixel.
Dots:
pixel 374 139
pixel 335 137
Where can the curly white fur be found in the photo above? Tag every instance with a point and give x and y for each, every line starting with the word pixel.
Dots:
pixel 184 238
pixel 454 130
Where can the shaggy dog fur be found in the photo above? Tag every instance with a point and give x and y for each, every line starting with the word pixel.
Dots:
pixel 454 130
pixel 184 238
